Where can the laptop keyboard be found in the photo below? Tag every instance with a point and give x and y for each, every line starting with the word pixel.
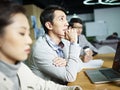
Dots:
pixel 110 73
pixel 98 78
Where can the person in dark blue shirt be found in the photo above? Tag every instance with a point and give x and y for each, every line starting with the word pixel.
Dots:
pixel 113 36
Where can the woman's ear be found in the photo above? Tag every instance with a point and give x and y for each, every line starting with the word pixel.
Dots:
pixel 48 25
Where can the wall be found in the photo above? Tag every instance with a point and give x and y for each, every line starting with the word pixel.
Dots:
pixel 36 11
pixel 84 17
pixel 111 16
pixel 33 10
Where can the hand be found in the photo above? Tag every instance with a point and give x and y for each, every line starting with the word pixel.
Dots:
pixel 59 62
pixel 87 58
pixel 89 52
pixel 88 55
pixel 71 35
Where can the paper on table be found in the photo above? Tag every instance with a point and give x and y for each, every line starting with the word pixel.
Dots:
pixel 96 63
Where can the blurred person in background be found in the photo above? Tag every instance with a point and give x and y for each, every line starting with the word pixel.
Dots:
pixel 114 36
pixel 88 50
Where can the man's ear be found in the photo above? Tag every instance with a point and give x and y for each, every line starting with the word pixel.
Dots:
pixel 48 25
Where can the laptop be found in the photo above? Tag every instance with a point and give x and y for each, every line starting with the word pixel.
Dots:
pixel 105 75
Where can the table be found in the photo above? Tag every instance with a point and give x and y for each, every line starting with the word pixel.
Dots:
pixel 83 81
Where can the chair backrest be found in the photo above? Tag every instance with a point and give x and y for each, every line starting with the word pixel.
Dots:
pixel 106 49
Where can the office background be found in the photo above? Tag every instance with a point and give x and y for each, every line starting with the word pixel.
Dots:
pixel 109 14
pixel 111 17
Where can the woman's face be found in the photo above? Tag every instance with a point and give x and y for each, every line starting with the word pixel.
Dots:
pixel 15 42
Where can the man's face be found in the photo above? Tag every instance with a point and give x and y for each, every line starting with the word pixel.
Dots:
pixel 60 24
pixel 79 27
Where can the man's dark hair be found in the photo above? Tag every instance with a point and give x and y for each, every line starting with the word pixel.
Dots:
pixel 48 15
pixel 115 33
pixel 75 20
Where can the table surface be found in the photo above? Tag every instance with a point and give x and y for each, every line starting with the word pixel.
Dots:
pixel 83 81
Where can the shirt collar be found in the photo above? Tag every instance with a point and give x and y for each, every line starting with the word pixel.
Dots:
pixel 9 70
pixel 53 45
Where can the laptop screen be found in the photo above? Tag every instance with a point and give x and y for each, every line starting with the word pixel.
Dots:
pixel 116 62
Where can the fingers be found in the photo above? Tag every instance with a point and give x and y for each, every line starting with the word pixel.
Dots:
pixel 71 35
pixel 87 58
pixel 89 52
pixel 59 62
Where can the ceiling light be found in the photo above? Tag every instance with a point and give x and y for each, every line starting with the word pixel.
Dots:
pixel 105 2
